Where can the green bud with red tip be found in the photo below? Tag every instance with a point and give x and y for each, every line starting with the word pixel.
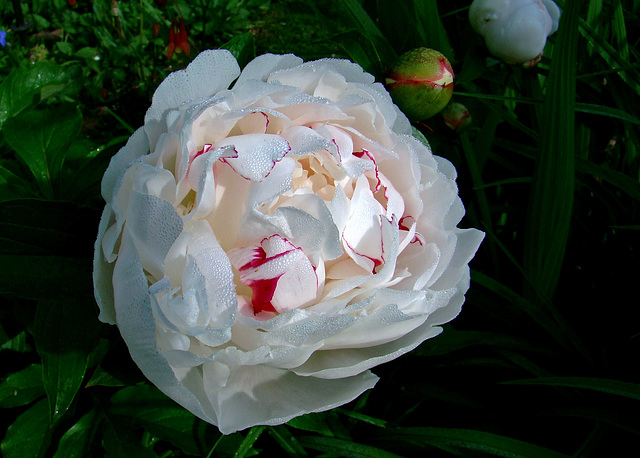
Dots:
pixel 456 116
pixel 421 83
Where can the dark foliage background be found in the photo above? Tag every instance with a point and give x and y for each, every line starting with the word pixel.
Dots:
pixel 542 362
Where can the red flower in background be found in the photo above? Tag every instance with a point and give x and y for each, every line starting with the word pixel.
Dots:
pixel 72 3
pixel 178 39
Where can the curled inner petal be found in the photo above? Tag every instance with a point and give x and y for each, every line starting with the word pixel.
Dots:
pixel 280 275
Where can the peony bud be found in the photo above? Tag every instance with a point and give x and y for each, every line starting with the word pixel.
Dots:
pixel 515 31
pixel 421 83
pixel 456 116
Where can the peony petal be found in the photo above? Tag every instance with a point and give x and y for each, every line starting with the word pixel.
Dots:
pixel 262 66
pixel 209 73
pixel 137 326
pixel 362 234
pixel 278 273
pixel 137 145
pixel 246 396
pixel 257 154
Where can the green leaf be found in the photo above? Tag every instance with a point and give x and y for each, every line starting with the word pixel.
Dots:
pixel 287 441
pixel 46 227
pixel 611 56
pixel 246 447
pixel 552 193
pixel 29 435
pixel 45 277
pixel 473 440
pixel 18 344
pixel 361 50
pixel 623 182
pixel 617 387
pixel 454 340
pixel 120 442
pixel 102 377
pixel 77 440
pixel 315 422
pixel 14 187
pixel 65 333
pixel 23 387
pixel 25 85
pixel 344 448
pixel 41 139
pixel 147 406
pixel 243 48
pixel 430 27
pixel 368 27
pixel 606 111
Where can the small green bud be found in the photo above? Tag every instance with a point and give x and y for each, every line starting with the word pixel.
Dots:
pixel 421 83
pixel 456 116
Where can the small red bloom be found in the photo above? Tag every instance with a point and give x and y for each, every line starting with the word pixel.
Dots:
pixel 155 30
pixel 72 3
pixel 178 39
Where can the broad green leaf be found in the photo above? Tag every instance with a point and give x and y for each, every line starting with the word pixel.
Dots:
pixel 41 139
pixel 145 405
pixel 617 387
pixel 101 377
pixel 29 435
pixel 18 344
pixel 76 442
pixel 472 440
pixel 344 448
pixel 120 442
pixel 243 48
pixel 46 227
pixel 45 277
pixel 65 333
pixel 21 388
pixel 14 187
pixel 25 86
pixel 552 193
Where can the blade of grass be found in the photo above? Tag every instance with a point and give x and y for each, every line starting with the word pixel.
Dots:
pixel 483 203
pixel 246 445
pixel 365 24
pixel 551 202
pixel 478 441
pixel 617 387
pixel 430 27
pixel 346 448
pixel 610 55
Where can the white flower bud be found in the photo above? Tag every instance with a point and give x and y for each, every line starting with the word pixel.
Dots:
pixel 515 31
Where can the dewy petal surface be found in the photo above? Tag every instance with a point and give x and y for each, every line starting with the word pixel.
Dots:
pixel 264 245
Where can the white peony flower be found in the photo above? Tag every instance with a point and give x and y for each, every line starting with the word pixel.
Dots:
pixel 515 31
pixel 264 246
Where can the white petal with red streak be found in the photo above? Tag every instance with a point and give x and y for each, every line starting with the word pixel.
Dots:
pixel 362 235
pixel 257 154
